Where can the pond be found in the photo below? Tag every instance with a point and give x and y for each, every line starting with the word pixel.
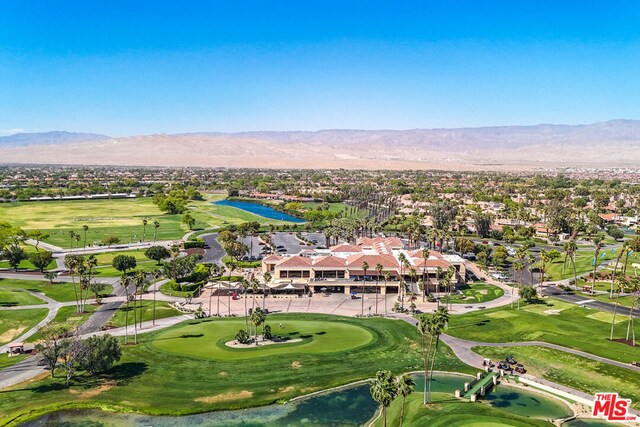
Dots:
pixel 351 406
pixel 260 210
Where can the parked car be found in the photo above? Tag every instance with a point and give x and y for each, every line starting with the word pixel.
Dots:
pixel 634 363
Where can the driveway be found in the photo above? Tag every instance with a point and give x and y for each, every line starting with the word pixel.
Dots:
pixel 214 253
pixel 289 241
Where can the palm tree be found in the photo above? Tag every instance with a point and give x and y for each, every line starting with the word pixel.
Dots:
pixel 257 318
pixel 144 229
pixel 125 281
pixel 405 388
pixel 157 273
pixel 440 321
pixel 425 274
pixel 72 236
pixel 518 266
pixel 615 268
pixel 267 278
pixel 71 262
pixel 386 277
pixel 402 259
pixel 142 285
pixel 620 285
pixel 379 271
pixel 595 266
pixel 231 265
pixel 85 228
pixel 156 225
pixel 383 390
pixel 634 289
pixel 365 267
pixel 245 288
pixel 424 324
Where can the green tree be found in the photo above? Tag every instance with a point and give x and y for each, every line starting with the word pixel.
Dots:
pixel 85 228
pixel 52 346
pixel 156 225
pixel 157 253
pixel 405 388
pixel 188 220
pixel 14 255
pixel 38 236
pixel 99 353
pixel 383 390
pixel 110 240
pixel 41 260
pixel 123 263
pixel 527 293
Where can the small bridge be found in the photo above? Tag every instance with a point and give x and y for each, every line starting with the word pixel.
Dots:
pixel 478 387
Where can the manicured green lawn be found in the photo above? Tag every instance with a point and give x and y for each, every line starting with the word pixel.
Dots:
pixel 554 322
pixel 447 411
pixel 105 261
pixel 477 292
pixel 67 316
pixel 153 381
pixel 583 263
pixel 14 323
pixel 10 297
pixel 573 371
pixel 163 309
pixel 207 340
pixel 59 291
pixel 118 217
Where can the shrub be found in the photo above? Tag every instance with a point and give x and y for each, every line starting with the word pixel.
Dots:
pixel 190 244
pixel 242 337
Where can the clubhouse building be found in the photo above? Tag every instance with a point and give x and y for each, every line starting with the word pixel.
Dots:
pixel 341 268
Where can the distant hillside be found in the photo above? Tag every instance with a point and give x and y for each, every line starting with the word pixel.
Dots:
pixel 608 144
pixel 54 137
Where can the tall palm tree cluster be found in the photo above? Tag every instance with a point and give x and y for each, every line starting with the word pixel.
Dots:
pixel 385 388
pixel 140 284
pixel 82 267
pixel 431 325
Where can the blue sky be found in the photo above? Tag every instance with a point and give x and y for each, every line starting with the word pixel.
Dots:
pixel 139 67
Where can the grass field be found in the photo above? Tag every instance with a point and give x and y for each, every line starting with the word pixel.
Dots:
pixel 10 297
pixel 67 316
pixel 15 322
pixel 59 291
pixel 105 260
pixel 576 372
pixel 327 337
pixel 583 263
pixel 119 217
pixel 554 322
pixel 163 309
pixel 6 361
pixel 152 381
pixel 447 411
pixel 477 292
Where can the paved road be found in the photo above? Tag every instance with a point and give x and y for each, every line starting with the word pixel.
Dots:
pixel 106 311
pixel 586 301
pixel 214 253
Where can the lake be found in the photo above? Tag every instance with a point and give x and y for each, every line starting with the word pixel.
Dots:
pixel 260 210
pixel 350 406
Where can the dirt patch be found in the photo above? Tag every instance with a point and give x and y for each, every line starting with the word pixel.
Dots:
pixel 222 374
pixel 286 389
pixel 551 312
pixel 225 397
pixel 296 365
pixel 483 292
pixel 9 334
pixel 192 251
pixel 88 394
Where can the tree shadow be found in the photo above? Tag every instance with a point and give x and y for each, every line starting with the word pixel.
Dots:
pixel 320 333
pixel 191 336
pixel 46 388
pixel 124 373
pixel 8 304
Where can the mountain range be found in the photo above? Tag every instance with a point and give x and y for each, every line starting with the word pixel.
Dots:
pixel 614 143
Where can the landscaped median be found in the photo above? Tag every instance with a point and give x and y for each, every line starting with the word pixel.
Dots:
pixel 188 369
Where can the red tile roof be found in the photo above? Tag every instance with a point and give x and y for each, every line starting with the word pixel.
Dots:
pixel 345 248
pixel 329 261
pixel 294 262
